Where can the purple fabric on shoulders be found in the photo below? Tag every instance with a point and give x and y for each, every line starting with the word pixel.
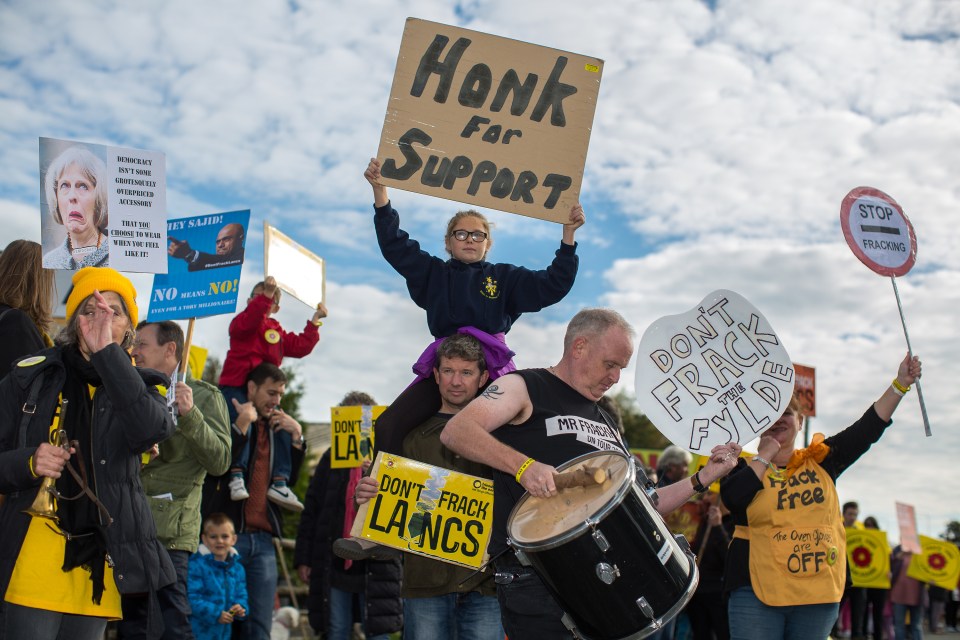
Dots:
pixel 498 355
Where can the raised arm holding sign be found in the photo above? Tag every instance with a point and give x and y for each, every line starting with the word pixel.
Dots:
pixel 463 294
pixel 880 235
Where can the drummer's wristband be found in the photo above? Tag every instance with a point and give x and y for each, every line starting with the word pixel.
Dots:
pixel 523 467
pixel 898 388
pixel 697 484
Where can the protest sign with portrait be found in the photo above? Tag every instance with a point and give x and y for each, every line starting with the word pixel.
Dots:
pixel 489 121
pixel 205 255
pixel 102 206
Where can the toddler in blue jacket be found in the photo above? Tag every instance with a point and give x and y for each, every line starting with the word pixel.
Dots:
pixel 216 582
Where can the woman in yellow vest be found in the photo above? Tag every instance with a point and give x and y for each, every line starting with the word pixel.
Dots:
pixel 786 566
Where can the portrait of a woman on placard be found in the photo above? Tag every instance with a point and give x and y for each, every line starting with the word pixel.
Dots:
pixel 76 194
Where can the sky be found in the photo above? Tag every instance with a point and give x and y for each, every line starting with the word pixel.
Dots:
pixel 726 135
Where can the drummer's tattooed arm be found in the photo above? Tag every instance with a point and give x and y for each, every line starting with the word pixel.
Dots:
pixel 492 392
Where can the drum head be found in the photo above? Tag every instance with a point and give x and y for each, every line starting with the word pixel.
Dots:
pixel 543 520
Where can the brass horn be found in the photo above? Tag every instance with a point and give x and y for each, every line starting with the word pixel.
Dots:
pixel 44 505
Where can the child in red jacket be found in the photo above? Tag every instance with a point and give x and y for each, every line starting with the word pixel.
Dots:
pixel 255 337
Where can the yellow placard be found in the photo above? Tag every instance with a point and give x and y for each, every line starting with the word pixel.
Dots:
pixel 868 556
pixel 197 360
pixel 430 511
pixel 351 435
pixel 938 563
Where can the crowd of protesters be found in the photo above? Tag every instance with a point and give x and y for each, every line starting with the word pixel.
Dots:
pixel 136 492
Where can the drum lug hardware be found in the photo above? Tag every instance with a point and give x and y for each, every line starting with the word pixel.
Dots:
pixel 601 540
pixel 522 558
pixel 648 611
pixel 607 572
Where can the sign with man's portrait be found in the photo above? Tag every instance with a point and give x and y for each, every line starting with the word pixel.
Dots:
pixel 205 255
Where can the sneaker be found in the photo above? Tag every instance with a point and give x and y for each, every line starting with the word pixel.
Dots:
pixel 362 549
pixel 283 496
pixel 238 491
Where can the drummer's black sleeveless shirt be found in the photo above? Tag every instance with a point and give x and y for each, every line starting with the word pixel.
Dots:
pixel 563 426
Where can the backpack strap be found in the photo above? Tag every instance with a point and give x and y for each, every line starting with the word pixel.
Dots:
pixel 30 408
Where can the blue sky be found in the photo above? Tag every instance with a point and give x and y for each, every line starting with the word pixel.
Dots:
pixel 725 137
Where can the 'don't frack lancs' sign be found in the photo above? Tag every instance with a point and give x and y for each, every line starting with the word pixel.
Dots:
pixel 489 121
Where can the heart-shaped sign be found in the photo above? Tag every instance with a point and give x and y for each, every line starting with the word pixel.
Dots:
pixel 714 374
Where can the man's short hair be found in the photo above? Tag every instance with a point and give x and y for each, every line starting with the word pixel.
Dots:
pixel 591 323
pixel 266 371
pixel 358 399
pixel 850 505
pixel 462 346
pixel 167 331
pixel 217 519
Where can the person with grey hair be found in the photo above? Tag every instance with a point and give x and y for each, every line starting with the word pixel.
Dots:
pixel 672 465
pixel 76 192
pixel 81 415
pixel 514 427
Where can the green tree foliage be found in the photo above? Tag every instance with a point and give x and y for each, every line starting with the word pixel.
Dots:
pixel 639 431
pixel 952 534
pixel 211 370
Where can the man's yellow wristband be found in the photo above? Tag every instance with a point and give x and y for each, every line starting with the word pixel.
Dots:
pixel 523 467
pixel 899 387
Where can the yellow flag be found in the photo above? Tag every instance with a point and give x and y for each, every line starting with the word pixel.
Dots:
pixel 868 556
pixel 938 563
pixel 197 360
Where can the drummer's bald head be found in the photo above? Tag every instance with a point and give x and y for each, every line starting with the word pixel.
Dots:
pixel 591 323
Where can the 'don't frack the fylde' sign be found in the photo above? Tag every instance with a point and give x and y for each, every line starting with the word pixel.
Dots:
pixel 489 121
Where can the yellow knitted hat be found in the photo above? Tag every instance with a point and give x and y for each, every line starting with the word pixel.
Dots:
pixel 101 279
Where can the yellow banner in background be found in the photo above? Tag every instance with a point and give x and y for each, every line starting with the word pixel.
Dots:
pixel 197 361
pixel 938 563
pixel 351 435
pixel 868 556
pixel 429 511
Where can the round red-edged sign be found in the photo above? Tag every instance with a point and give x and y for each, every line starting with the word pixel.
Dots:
pixel 878 232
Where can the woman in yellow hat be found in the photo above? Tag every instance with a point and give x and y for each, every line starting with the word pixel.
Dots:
pixel 80 413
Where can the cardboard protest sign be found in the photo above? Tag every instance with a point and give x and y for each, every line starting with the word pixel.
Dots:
pixel 429 511
pixel 938 563
pixel 205 255
pixel 489 121
pixel 907 521
pixel 102 206
pixel 868 556
pixel 296 270
pixel 714 374
pixel 878 231
pixel 351 435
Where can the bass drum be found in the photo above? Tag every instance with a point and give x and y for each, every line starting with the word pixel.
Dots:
pixel 605 553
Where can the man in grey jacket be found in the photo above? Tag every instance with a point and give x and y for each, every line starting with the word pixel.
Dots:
pixel 173 479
